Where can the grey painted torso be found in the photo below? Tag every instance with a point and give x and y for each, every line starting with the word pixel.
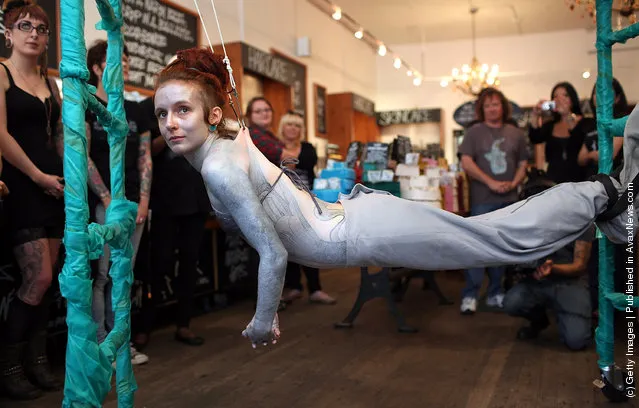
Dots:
pixel 310 238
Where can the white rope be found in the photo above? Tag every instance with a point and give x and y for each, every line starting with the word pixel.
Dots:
pixel 227 61
pixel 204 26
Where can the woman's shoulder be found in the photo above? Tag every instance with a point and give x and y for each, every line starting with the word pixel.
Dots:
pixel 4 77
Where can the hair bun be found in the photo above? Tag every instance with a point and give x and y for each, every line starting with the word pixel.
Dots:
pixel 204 60
pixel 13 4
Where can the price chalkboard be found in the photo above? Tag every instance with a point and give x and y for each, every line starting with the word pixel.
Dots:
pixel 154 31
pixel 51 7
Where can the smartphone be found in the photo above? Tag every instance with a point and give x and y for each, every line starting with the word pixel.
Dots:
pixel 548 106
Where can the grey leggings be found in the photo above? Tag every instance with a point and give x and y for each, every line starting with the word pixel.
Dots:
pixel 102 308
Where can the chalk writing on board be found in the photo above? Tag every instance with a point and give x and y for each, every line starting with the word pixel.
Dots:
pixel 278 69
pixel 363 105
pixel 399 117
pixel 153 33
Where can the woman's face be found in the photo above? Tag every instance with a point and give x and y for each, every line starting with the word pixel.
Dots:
pixel 29 36
pixel 261 114
pixel 179 110
pixel 560 96
pixel 291 131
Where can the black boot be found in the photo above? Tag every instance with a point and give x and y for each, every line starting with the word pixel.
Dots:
pixel 538 322
pixel 13 381
pixel 37 366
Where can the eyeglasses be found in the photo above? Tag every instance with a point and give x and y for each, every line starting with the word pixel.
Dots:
pixel 27 27
pixel 265 110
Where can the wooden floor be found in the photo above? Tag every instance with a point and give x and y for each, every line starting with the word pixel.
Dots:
pixel 454 361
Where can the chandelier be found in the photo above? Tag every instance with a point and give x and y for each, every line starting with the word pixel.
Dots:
pixel 624 11
pixel 472 79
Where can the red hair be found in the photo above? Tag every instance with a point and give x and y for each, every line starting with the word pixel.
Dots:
pixel 14 10
pixel 201 67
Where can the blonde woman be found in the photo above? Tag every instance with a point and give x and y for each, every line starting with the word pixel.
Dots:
pixel 290 133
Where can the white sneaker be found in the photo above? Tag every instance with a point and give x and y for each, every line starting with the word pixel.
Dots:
pixel 138 358
pixel 495 301
pixel 468 306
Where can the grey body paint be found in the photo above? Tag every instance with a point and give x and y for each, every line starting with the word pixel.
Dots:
pixel 286 226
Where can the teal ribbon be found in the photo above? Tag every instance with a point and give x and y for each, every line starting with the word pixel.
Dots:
pixel 608 127
pixel 89 365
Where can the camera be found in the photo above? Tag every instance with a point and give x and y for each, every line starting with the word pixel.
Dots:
pixel 548 106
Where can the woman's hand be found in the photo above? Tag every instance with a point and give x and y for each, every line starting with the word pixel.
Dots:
pixel 52 185
pixel 3 189
pixel 143 210
pixel 543 270
pixel 262 333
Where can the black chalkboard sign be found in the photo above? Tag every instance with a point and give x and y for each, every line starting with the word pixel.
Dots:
pixel 52 8
pixel 403 117
pixel 320 107
pixel 363 105
pixel 154 31
pixel 279 69
pixel 377 153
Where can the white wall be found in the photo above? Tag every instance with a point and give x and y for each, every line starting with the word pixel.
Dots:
pixel 339 62
pixel 531 64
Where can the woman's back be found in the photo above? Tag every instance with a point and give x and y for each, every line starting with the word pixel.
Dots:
pixel 302 229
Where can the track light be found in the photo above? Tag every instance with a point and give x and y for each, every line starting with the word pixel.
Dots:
pixel 337 14
pixel 381 50
pixel 359 34
pixel 397 63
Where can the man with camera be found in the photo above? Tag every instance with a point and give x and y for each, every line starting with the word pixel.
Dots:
pixel 558 283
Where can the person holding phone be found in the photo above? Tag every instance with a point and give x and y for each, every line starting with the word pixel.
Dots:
pixel 558 130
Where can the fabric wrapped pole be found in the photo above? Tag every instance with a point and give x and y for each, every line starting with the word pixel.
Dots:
pixel 607 127
pixel 88 366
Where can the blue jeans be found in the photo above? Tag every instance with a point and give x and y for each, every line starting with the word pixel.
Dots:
pixel 475 277
pixel 569 300
pixel 102 308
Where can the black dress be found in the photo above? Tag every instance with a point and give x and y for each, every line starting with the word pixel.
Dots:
pixel 27 206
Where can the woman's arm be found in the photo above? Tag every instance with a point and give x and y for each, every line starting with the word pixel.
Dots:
pixel 145 166
pixel 234 190
pixel 96 184
pixel 583 157
pixel 14 154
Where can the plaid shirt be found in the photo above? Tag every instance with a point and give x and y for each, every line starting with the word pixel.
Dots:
pixel 267 143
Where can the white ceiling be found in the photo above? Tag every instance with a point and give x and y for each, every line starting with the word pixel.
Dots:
pixel 414 21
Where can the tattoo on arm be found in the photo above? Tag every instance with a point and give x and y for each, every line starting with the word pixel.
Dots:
pixel 582 253
pixel 145 164
pixel 96 184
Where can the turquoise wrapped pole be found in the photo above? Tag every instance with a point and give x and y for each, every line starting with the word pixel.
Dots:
pixel 608 127
pixel 88 366
pixel 604 333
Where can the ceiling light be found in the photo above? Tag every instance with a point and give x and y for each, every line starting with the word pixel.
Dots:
pixel 359 34
pixel 409 73
pixel 417 81
pixel 381 50
pixel 397 63
pixel 337 14
pixel 586 74
pixel 472 78
pixel 443 83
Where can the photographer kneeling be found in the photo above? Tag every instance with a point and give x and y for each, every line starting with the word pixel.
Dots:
pixel 559 283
